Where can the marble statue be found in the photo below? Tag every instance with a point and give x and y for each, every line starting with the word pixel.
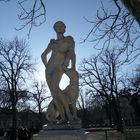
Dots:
pixel 70 94
pixel 62 61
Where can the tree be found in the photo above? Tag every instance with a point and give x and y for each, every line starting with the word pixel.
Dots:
pixel 23 98
pixel 83 105
pixel 33 16
pixel 131 89
pixel 89 109
pixel 15 65
pixel 116 26
pixel 100 75
pixel 39 97
pixel 4 99
pixel 135 81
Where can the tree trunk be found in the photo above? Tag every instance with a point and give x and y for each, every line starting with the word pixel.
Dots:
pixel 14 122
pixel 108 110
pixel 84 117
pixel 40 120
pixel 117 116
pixel 119 122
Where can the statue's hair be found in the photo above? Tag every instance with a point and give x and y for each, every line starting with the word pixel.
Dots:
pixel 59 22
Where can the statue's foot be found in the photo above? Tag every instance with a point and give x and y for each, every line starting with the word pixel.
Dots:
pixel 77 119
pixel 62 121
pixel 53 122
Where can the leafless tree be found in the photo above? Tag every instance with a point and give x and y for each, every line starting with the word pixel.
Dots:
pixel 15 65
pixel 4 99
pixel 4 0
pixel 40 96
pixel 131 83
pixel 83 104
pixel 33 16
pixel 135 82
pixel 116 26
pixel 23 100
pixel 131 90
pixel 101 75
pixel 83 100
pixel 5 102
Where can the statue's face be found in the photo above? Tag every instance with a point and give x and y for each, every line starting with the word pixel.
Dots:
pixel 59 27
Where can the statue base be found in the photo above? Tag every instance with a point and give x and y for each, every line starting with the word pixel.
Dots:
pixel 63 126
pixel 60 135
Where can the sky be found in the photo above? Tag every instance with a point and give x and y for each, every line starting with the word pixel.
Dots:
pixel 71 12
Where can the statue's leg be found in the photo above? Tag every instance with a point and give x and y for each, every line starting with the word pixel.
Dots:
pixel 53 83
pixel 51 114
pixel 60 101
pixel 66 107
pixel 60 108
pixel 61 97
pixel 75 111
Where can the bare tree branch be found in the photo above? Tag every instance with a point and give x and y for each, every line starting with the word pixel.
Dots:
pixel 39 95
pixel 4 0
pixel 115 27
pixel 15 63
pixel 33 17
pixel 101 76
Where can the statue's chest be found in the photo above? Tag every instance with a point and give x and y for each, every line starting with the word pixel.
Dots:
pixel 61 46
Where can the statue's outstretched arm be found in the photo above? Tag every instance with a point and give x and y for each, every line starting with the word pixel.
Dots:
pixel 44 55
pixel 73 56
pixel 73 59
pixel 70 54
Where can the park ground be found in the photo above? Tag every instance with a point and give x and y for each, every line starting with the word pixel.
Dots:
pixel 129 134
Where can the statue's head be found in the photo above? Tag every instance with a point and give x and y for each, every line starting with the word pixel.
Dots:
pixel 59 27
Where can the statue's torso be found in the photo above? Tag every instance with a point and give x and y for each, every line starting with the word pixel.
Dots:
pixel 59 50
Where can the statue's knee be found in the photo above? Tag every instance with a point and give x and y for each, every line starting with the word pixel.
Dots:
pixel 55 91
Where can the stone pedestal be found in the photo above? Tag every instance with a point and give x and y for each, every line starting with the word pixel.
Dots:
pixel 60 135
pixel 64 126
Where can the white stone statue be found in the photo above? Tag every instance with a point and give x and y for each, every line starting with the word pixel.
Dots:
pixel 70 94
pixel 62 56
